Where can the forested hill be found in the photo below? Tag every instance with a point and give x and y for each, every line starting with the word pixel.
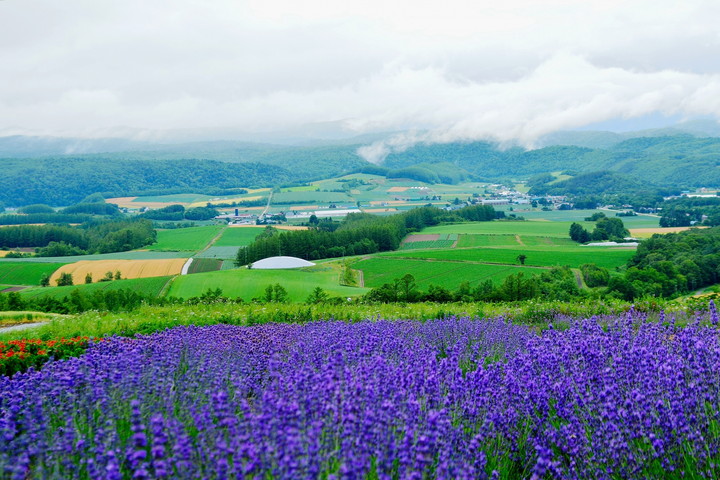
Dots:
pixel 308 162
pixel 69 180
pixel 680 160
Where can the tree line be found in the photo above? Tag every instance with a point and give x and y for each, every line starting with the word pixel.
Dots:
pixel 606 228
pixel 92 237
pixel 671 264
pixel 179 212
pixel 357 234
pixel 65 181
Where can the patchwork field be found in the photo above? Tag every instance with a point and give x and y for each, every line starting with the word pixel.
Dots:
pixel 248 284
pixel 185 239
pixel 201 265
pixel 25 273
pixel 132 255
pixel 223 253
pixel 537 228
pixel 380 270
pixel 127 268
pixel 151 286
pixel 607 257
pixel 226 200
pixel 649 232
pixel 638 221
pixel 238 237
pixel 418 241
pixel 310 197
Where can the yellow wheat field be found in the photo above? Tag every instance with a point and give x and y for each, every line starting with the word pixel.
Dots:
pixel 225 200
pixel 127 269
pixel 648 232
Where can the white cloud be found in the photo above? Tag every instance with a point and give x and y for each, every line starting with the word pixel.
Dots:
pixel 458 69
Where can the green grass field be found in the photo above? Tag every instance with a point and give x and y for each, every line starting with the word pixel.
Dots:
pixel 223 253
pixel 202 265
pixel 310 197
pixel 535 228
pixel 132 255
pixel 25 273
pixel 185 239
pixel 228 265
pixel 427 244
pixel 639 221
pixel 474 240
pixel 536 255
pixel 238 236
pixel 446 240
pixel 150 286
pixel 380 270
pixel 175 198
pixel 249 284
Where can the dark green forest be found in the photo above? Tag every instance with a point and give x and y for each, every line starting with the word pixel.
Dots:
pixel 358 234
pixel 92 237
pixel 68 181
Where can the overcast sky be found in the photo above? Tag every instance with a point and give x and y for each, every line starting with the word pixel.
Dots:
pixel 510 69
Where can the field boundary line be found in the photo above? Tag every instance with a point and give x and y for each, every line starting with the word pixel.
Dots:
pixel 166 288
pixel 212 241
pixel 267 207
pixel 470 262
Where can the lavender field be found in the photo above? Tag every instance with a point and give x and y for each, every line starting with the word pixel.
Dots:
pixel 611 397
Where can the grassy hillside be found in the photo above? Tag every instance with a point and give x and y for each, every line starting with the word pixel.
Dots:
pixel 146 286
pixel 25 273
pixel 536 255
pixel 380 270
pixel 248 284
pixel 238 236
pixel 185 239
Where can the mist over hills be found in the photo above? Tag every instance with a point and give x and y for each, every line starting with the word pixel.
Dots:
pixel 683 156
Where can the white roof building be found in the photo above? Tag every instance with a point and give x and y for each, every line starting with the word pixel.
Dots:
pixel 281 263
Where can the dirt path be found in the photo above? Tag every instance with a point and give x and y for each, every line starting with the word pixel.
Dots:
pixel 361 277
pixel 519 240
pixel 578 278
pixel 166 288
pixel 267 207
pixel 214 239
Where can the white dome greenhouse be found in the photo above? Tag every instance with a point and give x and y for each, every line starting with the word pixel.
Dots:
pixel 281 262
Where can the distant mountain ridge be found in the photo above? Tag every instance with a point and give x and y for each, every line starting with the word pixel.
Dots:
pixel 36 169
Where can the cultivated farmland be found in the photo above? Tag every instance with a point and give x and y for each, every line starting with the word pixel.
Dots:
pixel 131 255
pixel 380 270
pixel 535 228
pixel 441 240
pixel 127 268
pixel 201 265
pixel 238 236
pixel 223 253
pixel 151 286
pixel 248 284
pixel 185 239
pixel 25 273
pixel 536 255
